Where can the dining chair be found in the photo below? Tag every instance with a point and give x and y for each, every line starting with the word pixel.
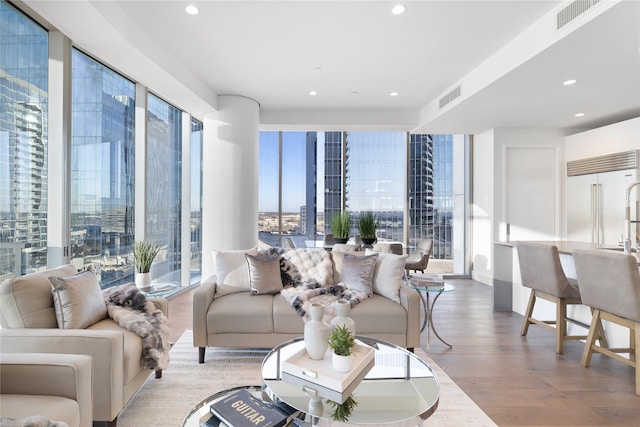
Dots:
pixel 541 270
pixel 610 284
pixel 419 259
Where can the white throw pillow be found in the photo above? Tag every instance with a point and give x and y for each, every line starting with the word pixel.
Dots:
pixel 387 275
pixel 232 269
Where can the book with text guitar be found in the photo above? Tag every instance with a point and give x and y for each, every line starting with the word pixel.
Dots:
pixel 241 409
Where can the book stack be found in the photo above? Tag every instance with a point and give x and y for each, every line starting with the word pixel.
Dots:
pixel 242 409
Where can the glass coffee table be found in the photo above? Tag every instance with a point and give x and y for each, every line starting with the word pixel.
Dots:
pixel 399 388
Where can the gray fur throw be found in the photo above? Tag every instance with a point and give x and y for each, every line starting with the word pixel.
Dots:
pixel 299 297
pixel 33 421
pixel 128 307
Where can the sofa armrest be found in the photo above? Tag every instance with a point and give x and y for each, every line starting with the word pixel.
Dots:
pixel 106 348
pixel 202 299
pixel 410 300
pixel 162 304
pixel 64 375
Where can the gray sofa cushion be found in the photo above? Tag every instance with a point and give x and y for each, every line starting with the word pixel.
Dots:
pixel 241 313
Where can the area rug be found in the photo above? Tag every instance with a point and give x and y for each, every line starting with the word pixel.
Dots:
pixel 165 402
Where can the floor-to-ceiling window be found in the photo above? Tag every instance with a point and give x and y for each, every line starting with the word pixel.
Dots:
pixel 163 187
pixel 23 142
pixel 326 172
pixel 375 180
pixel 196 200
pixel 102 170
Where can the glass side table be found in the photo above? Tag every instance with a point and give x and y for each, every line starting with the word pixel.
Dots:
pixel 426 285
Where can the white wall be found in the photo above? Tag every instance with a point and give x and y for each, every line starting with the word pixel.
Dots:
pixel 614 138
pixel 482 207
pixel 489 186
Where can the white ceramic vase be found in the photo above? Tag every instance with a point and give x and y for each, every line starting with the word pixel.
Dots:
pixel 341 363
pixel 343 310
pixel 143 280
pixel 316 407
pixel 316 333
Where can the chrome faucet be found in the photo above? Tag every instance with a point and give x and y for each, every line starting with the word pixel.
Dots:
pixel 627 217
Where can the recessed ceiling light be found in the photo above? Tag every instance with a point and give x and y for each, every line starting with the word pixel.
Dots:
pixel 355 92
pixel 579 115
pixel 313 93
pixel 192 10
pixel 394 94
pixel 399 9
pixel 569 82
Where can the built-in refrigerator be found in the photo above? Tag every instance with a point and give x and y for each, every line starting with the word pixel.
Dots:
pixel 595 198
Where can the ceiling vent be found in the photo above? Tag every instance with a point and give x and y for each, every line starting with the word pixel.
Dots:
pixel 574 10
pixel 449 97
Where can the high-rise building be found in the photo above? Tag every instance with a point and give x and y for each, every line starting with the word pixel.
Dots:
pixel 23 143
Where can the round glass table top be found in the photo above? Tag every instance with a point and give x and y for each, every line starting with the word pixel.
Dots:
pixel 400 387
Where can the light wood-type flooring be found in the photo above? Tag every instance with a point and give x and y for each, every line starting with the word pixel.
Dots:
pixel 517 381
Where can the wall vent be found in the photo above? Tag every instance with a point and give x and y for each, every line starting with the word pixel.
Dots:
pixel 449 97
pixel 574 10
pixel 609 163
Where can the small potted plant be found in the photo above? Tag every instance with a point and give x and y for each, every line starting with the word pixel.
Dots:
pixel 342 411
pixel 367 225
pixel 341 341
pixel 144 252
pixel 341 226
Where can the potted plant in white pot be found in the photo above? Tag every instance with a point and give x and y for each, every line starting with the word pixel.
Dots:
pixel 341 226
pixel 144 252
pixel 341 341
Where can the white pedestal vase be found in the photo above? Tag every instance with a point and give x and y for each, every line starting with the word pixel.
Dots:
pixel 316 333
pixel 341 363
pixel 343 310
pixel 143 280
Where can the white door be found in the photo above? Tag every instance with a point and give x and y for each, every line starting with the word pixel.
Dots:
pixel 531 197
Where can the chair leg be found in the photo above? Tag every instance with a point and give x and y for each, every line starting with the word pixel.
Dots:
pixel 591 339
pixel 561 324
pixel 158 373
pixel 528 313
pixel 201 354
pixel 600 335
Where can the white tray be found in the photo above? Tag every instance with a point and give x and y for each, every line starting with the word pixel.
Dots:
pixel 322 373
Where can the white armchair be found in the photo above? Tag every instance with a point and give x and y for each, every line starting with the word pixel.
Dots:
pixel 54 386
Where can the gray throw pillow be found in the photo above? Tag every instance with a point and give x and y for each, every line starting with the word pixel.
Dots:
pixel 264 274
pixel 357 272
pixel 78 300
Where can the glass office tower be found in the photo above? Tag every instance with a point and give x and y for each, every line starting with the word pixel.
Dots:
pixel 23 143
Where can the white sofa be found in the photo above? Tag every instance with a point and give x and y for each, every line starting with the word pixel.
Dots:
pixel 242 319
pixel 29 325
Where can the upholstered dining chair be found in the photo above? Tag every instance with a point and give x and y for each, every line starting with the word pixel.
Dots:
pixel 419 259
pixel 610 285
pixel 541 270
pixel 288 243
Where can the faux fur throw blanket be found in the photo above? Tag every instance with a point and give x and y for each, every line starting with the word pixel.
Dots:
pixel 127 306
pixel 300 297
pixel 33 421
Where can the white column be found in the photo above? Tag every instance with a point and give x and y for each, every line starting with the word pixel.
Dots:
pixel 59 167
pixel 229 178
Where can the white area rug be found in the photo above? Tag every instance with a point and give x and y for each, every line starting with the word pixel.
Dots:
pixel 165 402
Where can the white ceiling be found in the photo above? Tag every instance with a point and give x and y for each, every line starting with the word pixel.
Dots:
pixel 507 56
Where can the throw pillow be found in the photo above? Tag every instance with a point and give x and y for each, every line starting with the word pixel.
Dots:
pixel 78 300
pixel 264 274
pixel 311 264
pixel 357 272
pixel 387 275
pixel 231 267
